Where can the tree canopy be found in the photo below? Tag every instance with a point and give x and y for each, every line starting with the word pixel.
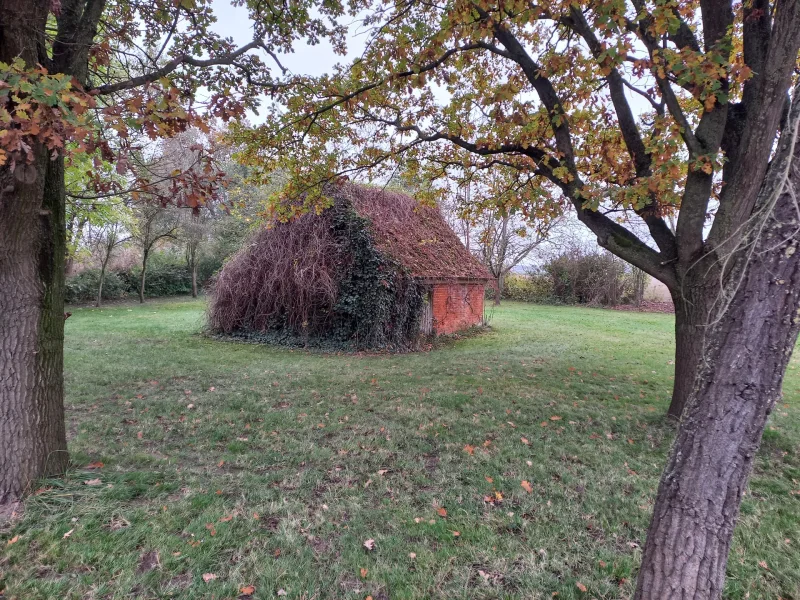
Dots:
pixel 614 105
pixel 107 77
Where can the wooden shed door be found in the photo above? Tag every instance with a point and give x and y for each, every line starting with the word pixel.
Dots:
pixel 426 322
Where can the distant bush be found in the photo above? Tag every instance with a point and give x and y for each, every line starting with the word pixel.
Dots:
pixel 578 277
pixel 167 275
pixel 533 287
pixel 83 287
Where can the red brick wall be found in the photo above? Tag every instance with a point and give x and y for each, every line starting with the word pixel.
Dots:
pixel 456 306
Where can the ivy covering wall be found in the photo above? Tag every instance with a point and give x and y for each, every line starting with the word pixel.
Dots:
pixel 318 281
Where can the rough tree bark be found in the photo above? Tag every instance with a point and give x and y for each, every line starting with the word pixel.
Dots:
pixel 751 331
pixel 691 316
pixel 32 255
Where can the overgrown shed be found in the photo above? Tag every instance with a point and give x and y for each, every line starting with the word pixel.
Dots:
pixel 375 270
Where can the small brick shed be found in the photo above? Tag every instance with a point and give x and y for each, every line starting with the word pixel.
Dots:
pixel 453 304
pixel 373 269
pixel 419 238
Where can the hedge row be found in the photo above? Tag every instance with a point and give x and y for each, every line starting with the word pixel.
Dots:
pixel 577 278
pixel 166 276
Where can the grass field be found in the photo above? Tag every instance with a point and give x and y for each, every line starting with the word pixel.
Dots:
pixel 521 463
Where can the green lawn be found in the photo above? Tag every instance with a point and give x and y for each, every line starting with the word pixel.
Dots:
pixel 271 468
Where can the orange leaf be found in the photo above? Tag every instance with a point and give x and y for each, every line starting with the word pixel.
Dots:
pixel 526 485
pixel 13 540
pixel 442 512
pixel 469 449
pixel 489 479
pixel 226 518
pixel 456 533
pixel 555 418
pixel 209 577
pixel 525 441
pixel 248 590
pixel 94 465
pixel 364 573
pixel 580 586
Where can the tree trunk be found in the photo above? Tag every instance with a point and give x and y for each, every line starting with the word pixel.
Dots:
pixel 194 280
pixel 32 253
pixel 143 277
pixel 102 280
pixel 691 320
pixel 744 355
pixel 498 292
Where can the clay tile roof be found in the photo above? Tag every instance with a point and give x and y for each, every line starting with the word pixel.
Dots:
pixel 415 235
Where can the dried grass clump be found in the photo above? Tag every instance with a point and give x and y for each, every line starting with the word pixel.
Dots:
pixel 286 276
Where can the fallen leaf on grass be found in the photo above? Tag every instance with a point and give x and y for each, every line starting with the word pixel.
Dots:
pixel 247 590
pixel 525 441
pixel 211 529
pixel 763 564
pixel 489 479
pixel 92 482
pixel 69 533
pixel 364 573
pixel 369 544
pixel 456 533
pixel 226 518
pixel 442 512
pixel 13 540
pixel 526 485
pixel 469 449
pixel 209 577
pixel 412 555
pixel 94 465
pixel 282 592
pixel 580 586
pixel 140 435
pixel 555 418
